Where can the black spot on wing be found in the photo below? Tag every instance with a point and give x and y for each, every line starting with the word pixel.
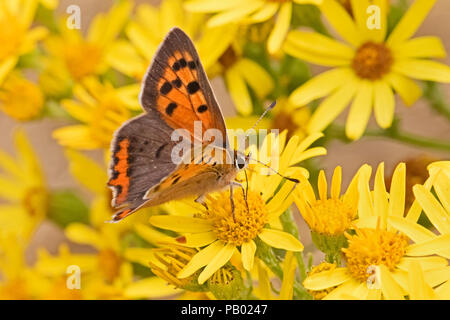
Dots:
pixel 193 87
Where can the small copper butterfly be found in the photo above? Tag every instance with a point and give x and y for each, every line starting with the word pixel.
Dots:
pixel 175 94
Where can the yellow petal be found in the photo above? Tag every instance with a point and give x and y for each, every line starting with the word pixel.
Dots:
pixel 238 91
pixel 418 288
pixel 287 285
pixel 423 70
pixel 336 183
pixel 322 186
pixel 380 197
pixel 265 13
pixel 320 86
pixel 222 257
pixel 150 234
pixel 280 239
pixel 248 250
pixel 211 5
pixel 360 111
pixel 318 45
pixel 326 279
pixel 234 14
pixel 280 29
pixel 150 288
pixel 384 105
pixel 439 245
pixel 426 263
pixel 411 21
pixel 196 240
pixel 88 172
pixel 397 191
pixel 181 224
pixel 434 211
pixel 408 90
pixel 256 77
pixel 201 259
pixel 413 230
pixel 341 21
pixel 332 106
pixel 81 233
pixel 420 47
pixel 389 287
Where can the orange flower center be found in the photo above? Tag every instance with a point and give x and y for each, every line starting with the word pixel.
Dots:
pixel 372 61
pixel 82 59
pixel 373 247
pixel 247 222
pixel 109 264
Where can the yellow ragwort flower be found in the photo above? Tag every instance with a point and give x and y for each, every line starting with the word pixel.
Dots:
pixel 369 67
pixel 219 234
pixel 101 109
pixel 72 57
pixel 23 187
pixel 20 98
pixel 16 36
pixel 380 260
pixel 250 12
pixel 333 215
pixel 149 27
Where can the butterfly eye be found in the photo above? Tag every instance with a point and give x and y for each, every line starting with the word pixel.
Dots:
pixel 240 162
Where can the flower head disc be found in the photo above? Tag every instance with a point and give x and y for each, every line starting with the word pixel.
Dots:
pixel 373 247
pixel 247 222
pixel 75 58
pixel 331 216
pixel 372 60
pixel 109 264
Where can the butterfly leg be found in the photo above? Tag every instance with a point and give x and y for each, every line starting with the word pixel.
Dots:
pixel 243 192
pixel 201 200
pixel 232 201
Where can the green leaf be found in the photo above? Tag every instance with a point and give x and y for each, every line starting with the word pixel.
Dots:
pixel 66 207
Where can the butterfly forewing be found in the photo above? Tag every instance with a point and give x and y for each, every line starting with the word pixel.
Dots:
pixel 177 87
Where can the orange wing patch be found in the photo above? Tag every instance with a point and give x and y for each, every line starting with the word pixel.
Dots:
pixel 181 100
pixel 120 178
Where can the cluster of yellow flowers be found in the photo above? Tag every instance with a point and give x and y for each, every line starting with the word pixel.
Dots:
pixel 383 238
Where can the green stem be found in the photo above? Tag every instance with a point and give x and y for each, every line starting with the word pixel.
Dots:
pixel 290 226
pixel 395 134
pixel 434 95
pixel 267 255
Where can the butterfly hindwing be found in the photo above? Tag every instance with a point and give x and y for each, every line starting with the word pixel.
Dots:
pixel 141 158
pixel 177 87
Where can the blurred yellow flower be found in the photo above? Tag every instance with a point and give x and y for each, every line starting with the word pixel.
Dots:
pixel 221 233
pixel 284 117
pixel 23 187
pixel 21 282
pixel 328 216
pixel 249 12
pixel 101 109
pixel 369 67
pixel 72 57
pixel 380 261
pixel 239 74
pixel 16 37
pixel 149 27
pixel 20 98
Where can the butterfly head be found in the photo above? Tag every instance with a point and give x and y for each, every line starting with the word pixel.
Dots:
pixel 241 160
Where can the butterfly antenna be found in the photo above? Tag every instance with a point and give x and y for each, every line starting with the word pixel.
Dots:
pixel 275 171
pixel 262 116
